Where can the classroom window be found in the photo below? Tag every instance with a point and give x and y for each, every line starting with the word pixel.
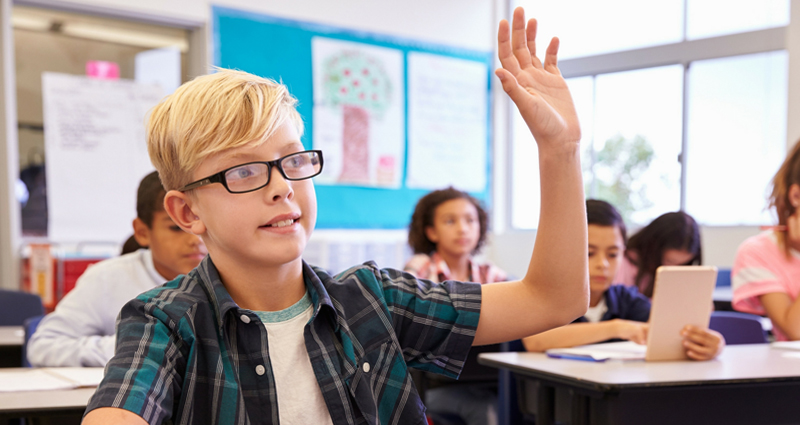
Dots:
pixel 591 27
pixel 736 136
pixel 658 136
pixel 710 18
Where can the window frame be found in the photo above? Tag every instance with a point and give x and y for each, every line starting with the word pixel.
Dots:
pixel 681 53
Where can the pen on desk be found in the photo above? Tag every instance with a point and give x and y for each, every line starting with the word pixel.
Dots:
pixel 575 357
pixel 779 228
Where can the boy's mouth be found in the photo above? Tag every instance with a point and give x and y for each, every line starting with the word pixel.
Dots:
pixel 282 223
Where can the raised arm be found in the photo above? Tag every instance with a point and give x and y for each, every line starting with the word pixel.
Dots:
pixel 555 288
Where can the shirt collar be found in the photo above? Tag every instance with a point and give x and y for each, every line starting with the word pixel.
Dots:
pixel 222 301
pixel 444 271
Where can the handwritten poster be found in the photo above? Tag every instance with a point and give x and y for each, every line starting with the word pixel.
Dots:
pixel 96 155
pixel 358 113
pixel 447 116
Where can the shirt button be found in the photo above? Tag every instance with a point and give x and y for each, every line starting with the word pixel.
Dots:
pixel 260 370
pixel 365 367
pixel 244 318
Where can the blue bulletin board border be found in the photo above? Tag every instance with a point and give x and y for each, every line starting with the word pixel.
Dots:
pixel 280 49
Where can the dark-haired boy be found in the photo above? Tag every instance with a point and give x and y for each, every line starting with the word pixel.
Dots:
pixel 80 332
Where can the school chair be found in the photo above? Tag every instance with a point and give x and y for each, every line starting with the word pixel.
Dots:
pixel 16 306
pixel 29 327
pixel 738 328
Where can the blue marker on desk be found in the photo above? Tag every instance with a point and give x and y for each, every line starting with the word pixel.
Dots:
pixel 576 357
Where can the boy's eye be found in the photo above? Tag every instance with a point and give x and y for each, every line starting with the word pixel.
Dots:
pixel 175 228
pixel 592 254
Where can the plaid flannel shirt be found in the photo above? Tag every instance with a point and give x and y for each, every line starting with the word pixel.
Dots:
pixel 187 354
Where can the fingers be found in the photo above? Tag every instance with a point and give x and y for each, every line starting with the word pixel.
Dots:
pixel 511 86
pixel 551 57
pixel 504 51
pixel 701 344
pixel 531 38
pixel 519 41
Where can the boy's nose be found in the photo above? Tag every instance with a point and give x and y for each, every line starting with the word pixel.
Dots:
pixel 278 186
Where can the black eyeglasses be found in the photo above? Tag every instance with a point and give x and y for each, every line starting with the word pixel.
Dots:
pixel 255 175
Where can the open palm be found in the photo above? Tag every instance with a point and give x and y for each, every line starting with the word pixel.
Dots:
pixel 537 88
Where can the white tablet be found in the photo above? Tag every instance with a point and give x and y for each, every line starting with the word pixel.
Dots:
pixel 682 295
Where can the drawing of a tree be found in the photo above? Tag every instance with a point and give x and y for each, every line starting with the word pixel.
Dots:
pixel 358 84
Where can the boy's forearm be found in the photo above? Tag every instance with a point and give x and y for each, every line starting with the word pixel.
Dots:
pixel 570 336
pixel 558 269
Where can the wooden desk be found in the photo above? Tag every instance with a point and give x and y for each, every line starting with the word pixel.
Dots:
pixel 63 406
pixel 11 340
pixel 747 384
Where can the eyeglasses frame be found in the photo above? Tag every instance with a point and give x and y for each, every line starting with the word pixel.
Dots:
pixel 220 176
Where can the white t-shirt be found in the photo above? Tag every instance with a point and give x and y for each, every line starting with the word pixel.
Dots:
pixel 300 400
pixel 80 332
pixel 594 314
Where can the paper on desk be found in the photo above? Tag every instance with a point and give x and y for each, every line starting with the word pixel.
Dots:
pixel 61 378
pixel 625 350
pixel 786 345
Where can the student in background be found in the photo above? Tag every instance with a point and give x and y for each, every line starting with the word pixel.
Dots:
pixel 766 272
pixel 447 229
pixel 615 311
pixel 672 239
pixel 80 332
pixel 255 334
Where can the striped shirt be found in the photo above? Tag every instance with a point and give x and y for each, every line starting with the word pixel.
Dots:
pixel 187 354
pixel 435 268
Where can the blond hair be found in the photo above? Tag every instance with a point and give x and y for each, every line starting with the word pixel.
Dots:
pixel 787 175
pixel 212 114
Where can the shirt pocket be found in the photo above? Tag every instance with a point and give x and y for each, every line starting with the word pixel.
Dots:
pixel 381 386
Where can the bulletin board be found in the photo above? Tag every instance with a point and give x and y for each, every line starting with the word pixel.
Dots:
pixel 285 50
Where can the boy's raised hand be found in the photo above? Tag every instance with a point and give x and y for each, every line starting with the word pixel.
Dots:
pixel 537 88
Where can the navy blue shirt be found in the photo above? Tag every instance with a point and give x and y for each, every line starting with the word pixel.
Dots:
pixel 624 302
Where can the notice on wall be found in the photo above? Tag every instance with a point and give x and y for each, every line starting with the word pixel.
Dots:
pixel 96 155
pixel 358 113
pixel 447 122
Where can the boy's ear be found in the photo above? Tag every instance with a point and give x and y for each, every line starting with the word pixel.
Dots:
pixel 179 207
pixel 430 232
pixel 794 195
pixel 141 232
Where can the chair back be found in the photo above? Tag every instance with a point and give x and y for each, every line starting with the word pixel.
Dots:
pixel 738 328
pixel 29 326
pixel 16 306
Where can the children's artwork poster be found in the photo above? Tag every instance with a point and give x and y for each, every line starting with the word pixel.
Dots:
pixel 447 122
pixel 96 154
pixel 358 113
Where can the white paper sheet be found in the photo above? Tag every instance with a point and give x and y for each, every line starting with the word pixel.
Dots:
pixel 44 379
pixel 359 120
pixel 623 350
pixel 160 66
pixel 96 155
pixel 447 122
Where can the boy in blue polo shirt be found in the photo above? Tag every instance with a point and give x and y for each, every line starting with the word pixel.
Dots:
pixel 256 335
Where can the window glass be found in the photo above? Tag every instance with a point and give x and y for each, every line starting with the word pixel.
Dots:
pixel 709 18
pixel 590 27
pixel 637 140
pixel 736 136
pixel 525 157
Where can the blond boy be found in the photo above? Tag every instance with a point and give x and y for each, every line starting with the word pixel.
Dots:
pixel 256 335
